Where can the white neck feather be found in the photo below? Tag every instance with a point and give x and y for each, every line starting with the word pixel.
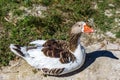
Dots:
pixel 79 53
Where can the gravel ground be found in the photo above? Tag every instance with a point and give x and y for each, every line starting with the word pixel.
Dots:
pixel 102 63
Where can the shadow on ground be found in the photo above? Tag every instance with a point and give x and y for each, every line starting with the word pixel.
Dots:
pixel 90 58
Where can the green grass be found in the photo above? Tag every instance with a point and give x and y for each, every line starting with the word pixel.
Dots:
pixel 59 17
pixel 118 34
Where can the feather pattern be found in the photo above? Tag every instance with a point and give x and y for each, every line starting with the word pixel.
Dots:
pixel 54 71
pixel 58 49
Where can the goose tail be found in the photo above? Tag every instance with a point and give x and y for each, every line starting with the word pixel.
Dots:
pixel 18 50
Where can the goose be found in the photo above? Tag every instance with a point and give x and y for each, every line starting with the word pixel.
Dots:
pixel 55 57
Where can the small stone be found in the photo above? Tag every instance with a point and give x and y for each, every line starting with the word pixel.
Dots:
pixel 108 13
pixel 117 20
pixel 111 5
pixel 39 12
pixel 29 11
pixel 22 8
pixel 94 5
pixel 118 11
pixel 109 34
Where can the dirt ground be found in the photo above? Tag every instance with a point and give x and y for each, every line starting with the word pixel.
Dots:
pixel 102 63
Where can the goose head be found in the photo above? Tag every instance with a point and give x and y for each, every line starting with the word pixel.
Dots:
pixel 76 31
pixel 81 27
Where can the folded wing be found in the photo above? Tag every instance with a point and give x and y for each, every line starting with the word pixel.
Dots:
pixel 58 49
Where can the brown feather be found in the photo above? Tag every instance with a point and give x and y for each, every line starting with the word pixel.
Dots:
pixel 61 49
pixel 73 41
pixel 58 49
pixel 54 71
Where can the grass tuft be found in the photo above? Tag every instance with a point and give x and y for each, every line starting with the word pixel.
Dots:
pixel 118 34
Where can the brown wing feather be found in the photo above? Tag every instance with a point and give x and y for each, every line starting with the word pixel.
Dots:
pixel 51 52
pixel 66 57
pixel 54 71
pixel 56 44
pixel 58 49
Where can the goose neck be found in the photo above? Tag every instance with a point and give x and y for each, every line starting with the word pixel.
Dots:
pixel 74 41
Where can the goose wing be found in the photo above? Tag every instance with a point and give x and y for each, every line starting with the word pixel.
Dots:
pixel 58 49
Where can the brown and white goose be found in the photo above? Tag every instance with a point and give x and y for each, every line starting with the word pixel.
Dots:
pixel 55 57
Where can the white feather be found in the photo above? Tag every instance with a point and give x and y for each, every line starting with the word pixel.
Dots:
pixel 38 42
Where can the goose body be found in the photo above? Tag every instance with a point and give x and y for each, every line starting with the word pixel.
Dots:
pixel 54 57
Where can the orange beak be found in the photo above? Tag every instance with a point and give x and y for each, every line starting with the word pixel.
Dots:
pixel 87 29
